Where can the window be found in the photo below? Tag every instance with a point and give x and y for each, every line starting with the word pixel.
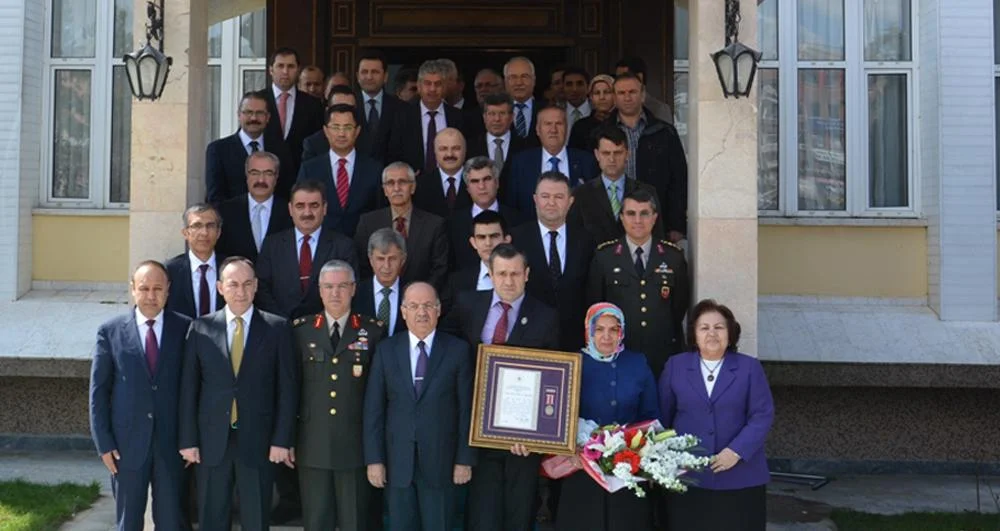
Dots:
pixel 996 89
pixel 236 64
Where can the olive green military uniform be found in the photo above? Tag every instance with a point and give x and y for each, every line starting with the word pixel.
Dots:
pixel 328 450
pixel 654 304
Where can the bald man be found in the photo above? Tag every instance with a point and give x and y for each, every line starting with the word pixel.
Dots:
pixel 442 190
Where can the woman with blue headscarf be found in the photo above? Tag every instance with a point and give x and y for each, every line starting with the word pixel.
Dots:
pixel 616 387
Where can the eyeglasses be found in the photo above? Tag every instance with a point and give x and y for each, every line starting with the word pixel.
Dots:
pixel 259 173
pixel 256 114
pixel 392 183
pixel 197 227
pixel 338 128
pixel 427 306
pixel 644 214
pixel 343 286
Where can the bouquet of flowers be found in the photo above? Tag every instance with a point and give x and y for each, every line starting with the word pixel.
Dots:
pixel 618 457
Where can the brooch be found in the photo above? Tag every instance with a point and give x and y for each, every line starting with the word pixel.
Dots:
pixel 355 321
pixel 659 247
pixel 524 321
pixel 319 321
pixel 618 249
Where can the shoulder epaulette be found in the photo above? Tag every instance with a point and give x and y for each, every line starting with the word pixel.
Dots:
pixel 605 244
pixel 299 321
pixel 672 244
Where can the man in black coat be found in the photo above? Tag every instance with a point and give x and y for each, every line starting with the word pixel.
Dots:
pixel 488 230
pixel 498 142
pixel 381 294
pixel 378 108
pixel 294 115
pixel 442 191
pixel 251 217
pixel 411 138
pixel 482 184
pixel 193 274
pixel 519 81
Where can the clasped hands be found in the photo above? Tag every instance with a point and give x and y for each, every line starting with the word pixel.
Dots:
pixel 276 455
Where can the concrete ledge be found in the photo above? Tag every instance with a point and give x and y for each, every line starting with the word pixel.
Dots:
pixel 44 367
pixel 46 443
pixel 854 374
pixel 821 467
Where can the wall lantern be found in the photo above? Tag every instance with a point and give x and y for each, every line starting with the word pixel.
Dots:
pixel 147 67
pixel 736 64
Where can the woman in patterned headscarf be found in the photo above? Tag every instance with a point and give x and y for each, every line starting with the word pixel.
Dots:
pixel 616 387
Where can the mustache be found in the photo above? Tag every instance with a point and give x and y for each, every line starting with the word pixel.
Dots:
pixel 261 185
pixel 308 217
pixel 254 122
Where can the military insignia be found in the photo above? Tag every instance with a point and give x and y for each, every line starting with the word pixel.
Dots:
pixel 663 268
pixel 363 333
pixel 312 345
pixel 616 270
pixel 356 322
pixel 605 244
pixel 659 248
pixel 380 323
pixel 618 250
pixel 524 321
pixel 298 321
pixel 319 321
pixel 671 244
pixel 665 292
pixel 357 370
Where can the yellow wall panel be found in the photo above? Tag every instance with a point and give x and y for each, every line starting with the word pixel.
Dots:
pixel 80 248
pixel 843 261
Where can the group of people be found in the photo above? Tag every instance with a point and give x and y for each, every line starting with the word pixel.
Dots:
pixel 319 333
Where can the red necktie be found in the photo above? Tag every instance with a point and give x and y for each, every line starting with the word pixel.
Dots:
pixel 152 350
pixel 430 162
pixel 305 264
pixel 204 300
pixel 500 332
pixel 283 111
pixel 342 183
pixel 401 226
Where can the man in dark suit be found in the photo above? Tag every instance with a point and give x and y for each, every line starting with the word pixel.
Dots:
pixel 335 349
pixel 597 203
pixel 411 138
pixel 498 142
pixel 426 235
pixel 380 295
pixel 418 407
pixel 317 143
pixel 488 230
pixel 351 178
pixel 134 387
pixel 193 290
pixel 377 107
pixel 295 115
pixel 237 419
pixel 519 81
pixel 289 262
pixel 502 493
pixel 578 165
pixel 557 270
pixel 249 218
pixel 225 158
pixel 481 179
pixel 442 191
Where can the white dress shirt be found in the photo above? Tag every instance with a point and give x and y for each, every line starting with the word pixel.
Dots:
pixel 459 104
pixel 368 106
pixel 265 213
pixel 140 321
pixel 491 145
pixel 349 166
pixel 313 242
pixel 494 207
pixel 210 276
pixel 444 181
pixel 245 138
pixel 231 326
pixel 289 108
pixel 425 120
pixel 393 302
pixel 584 109
pixel 415 352
pixel 528 105
pixel 563 157
pixel 717 366
pixel 483 281
pixel 560 243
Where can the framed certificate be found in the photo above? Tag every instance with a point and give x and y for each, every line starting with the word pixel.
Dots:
pixel 525 396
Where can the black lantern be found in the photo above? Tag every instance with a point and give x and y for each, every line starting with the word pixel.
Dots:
pixel 736 64
pixel 147 67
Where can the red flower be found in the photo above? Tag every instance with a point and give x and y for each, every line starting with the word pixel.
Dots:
pixel 630 457
pixel 630 438
pixel 355 322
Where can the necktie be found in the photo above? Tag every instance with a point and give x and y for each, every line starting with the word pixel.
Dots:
pixel 430 163
pixel 152 350
pixel 500 331
pixel 616 204
pixel 554 163
pixel 498 152
pixel 401 226
pixel 257 224
pixel 574 116
pixel 254 146
pixel 335 335
pixel 519 122
pixel 383 307
pixel 555 264
pixel 204 299
pixel 639 266
pixel 342 184
pixel 373 116
pixel 305 264
pixel 283 111
pixel 236 357
pixel 450 194
pixel 421 369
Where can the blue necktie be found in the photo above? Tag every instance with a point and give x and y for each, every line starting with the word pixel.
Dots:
pixel 554 161
pixel 519 122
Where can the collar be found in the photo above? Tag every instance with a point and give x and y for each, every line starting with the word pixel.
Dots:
pixel 377 97
pixel 195 261
pixel 641 122
pixel 268 203
pixel 484 272
pixel 315 235
pixel 584 107
pixel 350 157
pixel 377 286
pixel 408 213
pixel 444 179
pixel 545 231
pixel 607 182
pixel 247 315
pixel 245 138
pixel 141 319
pixel 632 246
pixel 514 305
pixel 563 155
pixel 424 109
pixel 277 92
pixel 491 139
pixel 528 103
pixel 494 207
pixel 460 103
pixel 330 320
pixel 428 341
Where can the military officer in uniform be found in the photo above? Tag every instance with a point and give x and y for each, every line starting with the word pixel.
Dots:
pixel 647 279
pixel 335 349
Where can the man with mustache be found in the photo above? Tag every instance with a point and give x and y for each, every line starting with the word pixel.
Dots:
pixel 442 191
pixel 249 218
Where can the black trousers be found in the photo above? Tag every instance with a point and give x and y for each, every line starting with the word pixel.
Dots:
pixel 709 510
pixel 421 506
pixel 502 492
pixel 215 491
pixel 130 486
pixel 583 504
pixel 335 499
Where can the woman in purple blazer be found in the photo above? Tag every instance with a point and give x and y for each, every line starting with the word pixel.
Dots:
pixel 723 398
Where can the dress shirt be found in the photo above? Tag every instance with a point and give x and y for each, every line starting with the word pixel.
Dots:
pixel 415 352
pixel 393 302
pixel 289 109
pixel 368 106
pixel 620 391
pixel 491 145
pixel 529 104
pixel 607 188
pixel 231 327
pixel 425 120
pixel 645 250
pixel 407 215
pixel 584 109
pixel 330 320
pixel 494 207
pixel 210 277
pixel 563 157
pixel 245 138
pixel 560 243
pixel 140 321
pixel 459 104
pixel 349 166
pixel 265 214
pixel 633 134
pixel 313 242
pixel 483 281
pixel 493 317
pixel 444 180
pixel 717 365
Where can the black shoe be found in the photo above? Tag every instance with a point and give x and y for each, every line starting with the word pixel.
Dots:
pixel 284 515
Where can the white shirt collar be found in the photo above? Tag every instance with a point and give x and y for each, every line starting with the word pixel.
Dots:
pixel 563 155
pixel 267 204
pixel 141 319
pixel 424 109
pixel 494 207
pixel 377 97
pixel 377 286
pixel 245 138
pixel 196 262
pixel 334 158
pixel 484 271
pixel 584 108
pixel 428 341
pixel 277 92
pixel 444 180
pixel 313 238
pixel 459 104
pixel 491 139
pixel 247 315
pixel 545 231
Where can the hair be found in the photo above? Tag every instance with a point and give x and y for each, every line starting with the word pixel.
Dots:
pixel 553 108
pixel 490 71
pixel 449 66
pixel 634 64
pixel 384 238
pixel 263 155
pixel 478 163
pixel 577 71
pixel 340 108
pixel 557 68
pixel 308 185
pixel 373 55
pixel 612 133
pixel 403 77
pixel 502 98
pixel 311 68
pixel 399 165
pixel 531 65
pixel 339 89
pixel 199 208
pixel 283 50
pixel 507 251
pixel 489 217
pixel 406 290
pixel 641 195
pixel 627 76
pixel 337 265
pixel 432 66
pixel 233 260
pixel 450 131
pixel 708 306
pixel 251 95
pixel 151 263
pixel 555 177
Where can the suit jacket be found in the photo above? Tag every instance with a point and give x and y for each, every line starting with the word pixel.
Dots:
pixel 476 147
pixel 225 167
pixel 180 297
pixel 316 144
pixel 266 389
pixel 738 415
pixel 430 194
pixel 460 229
pixel 426 245
pixel 364 303
pixel 527 166
pixel 536 325
pixel 278 290
pixel 402 428
pixel 532 139
pixel 406 137
pixel 565 293
pixel 237 235
pixel 465 279
pixel 129 407
pixel 307 118
pixel 362 194
pixel 472 120
pixel 378 138
pixel 592 209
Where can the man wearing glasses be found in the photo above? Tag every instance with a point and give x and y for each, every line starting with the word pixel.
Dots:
pixel 249 218
pixel 193 290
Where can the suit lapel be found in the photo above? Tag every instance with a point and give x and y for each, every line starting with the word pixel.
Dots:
pixel 603 199
pixel 694 377
pixel 220 337
pixel 482 311
pixel 135 344
pixel 188 285
pixel 405 370
pixel 436 356
pixel 254 340
pixel 520 321
pixel 170 342
pixel 355 190
pixel 727 375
